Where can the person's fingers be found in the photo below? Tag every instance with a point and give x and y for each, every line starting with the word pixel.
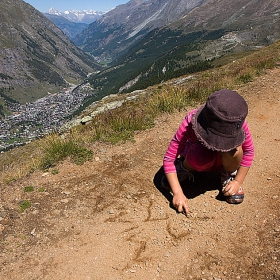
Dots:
pixel 183 208
pixel 180 208
pixel 226 189
pixel 229 192
pixel 186 210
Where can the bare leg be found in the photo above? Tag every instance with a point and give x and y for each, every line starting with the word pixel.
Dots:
pixel 231 160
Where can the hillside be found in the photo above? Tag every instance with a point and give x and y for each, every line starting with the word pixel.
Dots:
pixel 36 56
pixel 108 219
pixel 154 41
pixel 129 23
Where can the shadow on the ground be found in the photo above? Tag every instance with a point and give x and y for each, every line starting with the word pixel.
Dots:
pixel 203 182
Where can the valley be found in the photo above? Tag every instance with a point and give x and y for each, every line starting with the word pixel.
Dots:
pixel 134 46
pixel 33 120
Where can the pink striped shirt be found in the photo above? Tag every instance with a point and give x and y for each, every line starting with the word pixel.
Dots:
pixel 185 133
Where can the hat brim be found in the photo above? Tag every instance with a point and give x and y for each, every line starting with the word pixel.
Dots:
pixel 212 141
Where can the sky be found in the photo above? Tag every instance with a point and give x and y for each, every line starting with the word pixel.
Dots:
pixel 63 5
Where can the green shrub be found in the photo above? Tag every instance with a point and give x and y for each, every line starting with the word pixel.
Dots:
pixel 24 205
pixel 57 149
pixel 29 189
pixel 120 124
pixel 55 171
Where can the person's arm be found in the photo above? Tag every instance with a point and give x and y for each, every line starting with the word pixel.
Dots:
pixel 177 144
pixel 175 147
pixel 179 200
pixel 246 161
pixel 233 186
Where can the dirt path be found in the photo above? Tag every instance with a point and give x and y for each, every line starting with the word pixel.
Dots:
pixel 107 220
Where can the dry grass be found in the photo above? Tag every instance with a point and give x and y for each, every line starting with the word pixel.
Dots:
pixel 120 124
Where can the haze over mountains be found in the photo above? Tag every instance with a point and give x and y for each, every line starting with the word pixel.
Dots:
pixel 72 22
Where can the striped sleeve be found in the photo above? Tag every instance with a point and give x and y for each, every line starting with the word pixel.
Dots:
pixel 177 144
pixel 248 147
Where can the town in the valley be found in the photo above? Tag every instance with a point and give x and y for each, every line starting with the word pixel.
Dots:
pixel 33 120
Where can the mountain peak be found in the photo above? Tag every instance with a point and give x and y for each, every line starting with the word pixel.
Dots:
pixel 84 16
pixel 53 11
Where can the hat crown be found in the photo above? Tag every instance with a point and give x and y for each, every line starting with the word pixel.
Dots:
pixel 227 105
pixel 224 113
pixel 218 123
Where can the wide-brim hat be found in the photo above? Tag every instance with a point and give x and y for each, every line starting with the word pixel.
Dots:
pixel 218 123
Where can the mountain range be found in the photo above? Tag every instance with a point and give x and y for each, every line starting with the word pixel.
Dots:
pixel 84 16
pixel 116 31
pixel 146 42
pixel 36 56
pixel 72 22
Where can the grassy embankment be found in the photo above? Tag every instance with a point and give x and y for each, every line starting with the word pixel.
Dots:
pixel 120 124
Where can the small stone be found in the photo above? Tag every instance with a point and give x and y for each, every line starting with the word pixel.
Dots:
pixel 268 179
pixel 33 231
pixel 111 211
pixel 66 192
pixel 97 159
pixel 2 227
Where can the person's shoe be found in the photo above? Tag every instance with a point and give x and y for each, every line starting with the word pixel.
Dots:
pixel 182 174
pixel 226 177
pixel 237 198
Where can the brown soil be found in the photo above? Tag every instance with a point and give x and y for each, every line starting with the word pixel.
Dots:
pixel 108 219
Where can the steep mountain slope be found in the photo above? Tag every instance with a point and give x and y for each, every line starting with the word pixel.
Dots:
pixel 120 28
pixel 211 30
pixel 36 56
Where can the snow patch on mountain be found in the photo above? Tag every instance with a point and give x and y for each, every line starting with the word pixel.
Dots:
pixel 84 16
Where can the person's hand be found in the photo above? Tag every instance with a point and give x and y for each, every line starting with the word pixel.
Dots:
pixel 180 202
pixel 231 188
